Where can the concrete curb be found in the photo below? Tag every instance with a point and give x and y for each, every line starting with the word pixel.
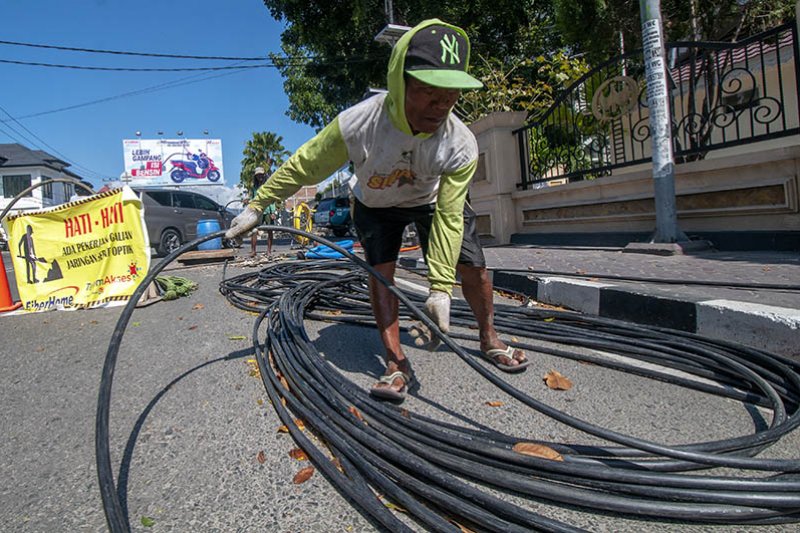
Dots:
pixel 774 329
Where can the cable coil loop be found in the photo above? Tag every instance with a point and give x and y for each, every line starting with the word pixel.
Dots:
pixel 439 471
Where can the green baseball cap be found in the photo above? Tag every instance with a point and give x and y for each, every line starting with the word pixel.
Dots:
pixel 437 55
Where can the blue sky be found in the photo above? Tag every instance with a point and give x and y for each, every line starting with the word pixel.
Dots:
pixel 230 105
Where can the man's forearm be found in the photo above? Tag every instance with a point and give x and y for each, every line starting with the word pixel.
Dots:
pixel 310 164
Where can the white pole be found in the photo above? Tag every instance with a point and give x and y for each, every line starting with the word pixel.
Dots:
pixel 660 128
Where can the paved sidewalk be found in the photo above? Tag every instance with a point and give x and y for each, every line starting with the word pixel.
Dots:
pixel 747 297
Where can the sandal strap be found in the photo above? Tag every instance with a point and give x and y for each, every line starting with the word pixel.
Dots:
pixel 494 353
pixel 389 379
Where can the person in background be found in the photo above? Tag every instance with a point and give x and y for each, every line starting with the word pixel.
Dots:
pixel 260 177
pixel 413 160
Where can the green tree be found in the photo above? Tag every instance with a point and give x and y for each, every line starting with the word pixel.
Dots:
pixel 258 152
pixel 332 59
pixel 311 85
pixel 529 85
pixel 605 28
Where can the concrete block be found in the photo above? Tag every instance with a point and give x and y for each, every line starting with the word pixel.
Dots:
pixel 766 327
pixel 575 294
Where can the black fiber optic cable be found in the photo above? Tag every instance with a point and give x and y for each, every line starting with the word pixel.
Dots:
pixel 127 53
pixel 439 471
pixel 706 512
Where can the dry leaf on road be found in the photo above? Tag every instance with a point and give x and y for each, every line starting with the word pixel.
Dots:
pixel 355 412
pixel 254 371
pixel 462 527
pixel 261 457
pixel 303 475
pixel 298 454
pixel 537 450
pixel 394 507
pixel 556 381
pixel 494 404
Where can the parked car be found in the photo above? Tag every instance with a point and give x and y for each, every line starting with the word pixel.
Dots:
pixel 334 214
pixel 172 215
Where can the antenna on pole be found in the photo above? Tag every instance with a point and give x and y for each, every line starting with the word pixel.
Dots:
pixel 392 32
pixel 387 7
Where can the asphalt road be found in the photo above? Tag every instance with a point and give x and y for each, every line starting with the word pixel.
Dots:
pixel 195 444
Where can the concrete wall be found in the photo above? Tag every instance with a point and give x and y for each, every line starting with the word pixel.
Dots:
pixel 750 188
pixel 495 182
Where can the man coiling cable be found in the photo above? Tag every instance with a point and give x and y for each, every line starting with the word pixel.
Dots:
pixel 413 161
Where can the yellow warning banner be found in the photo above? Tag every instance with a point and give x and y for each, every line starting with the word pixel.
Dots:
pixel 87 253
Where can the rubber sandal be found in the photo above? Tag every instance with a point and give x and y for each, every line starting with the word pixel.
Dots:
pixel 493 354
pixel 424 337
pixel 388 393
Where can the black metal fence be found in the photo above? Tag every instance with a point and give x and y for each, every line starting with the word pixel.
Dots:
pixel 722 95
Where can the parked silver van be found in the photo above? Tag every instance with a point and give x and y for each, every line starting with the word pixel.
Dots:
pixel 171 216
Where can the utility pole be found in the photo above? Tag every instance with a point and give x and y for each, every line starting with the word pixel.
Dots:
pixel 658 102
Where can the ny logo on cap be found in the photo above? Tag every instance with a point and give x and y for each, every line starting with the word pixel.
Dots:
pixel 450 49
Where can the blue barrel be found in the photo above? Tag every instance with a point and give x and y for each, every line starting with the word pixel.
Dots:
pixel 204 227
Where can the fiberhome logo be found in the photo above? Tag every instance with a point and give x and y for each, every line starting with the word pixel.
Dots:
pixel 53 299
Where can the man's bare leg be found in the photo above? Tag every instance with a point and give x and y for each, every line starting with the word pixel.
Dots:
pixel 477 289
pixel 385 306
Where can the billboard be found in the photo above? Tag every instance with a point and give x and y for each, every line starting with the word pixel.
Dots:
pixel 173 161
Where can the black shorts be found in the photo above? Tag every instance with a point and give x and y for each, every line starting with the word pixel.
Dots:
pixel 380 230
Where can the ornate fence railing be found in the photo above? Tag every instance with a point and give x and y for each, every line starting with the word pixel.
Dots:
pixel 721 95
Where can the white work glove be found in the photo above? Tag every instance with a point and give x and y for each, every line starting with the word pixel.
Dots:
pixel 437 307
pixel 244 222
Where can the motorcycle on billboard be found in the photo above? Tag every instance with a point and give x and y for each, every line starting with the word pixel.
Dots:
pixel 162 162
pixel 196 166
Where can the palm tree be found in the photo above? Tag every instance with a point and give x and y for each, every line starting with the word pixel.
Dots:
pixel 263 148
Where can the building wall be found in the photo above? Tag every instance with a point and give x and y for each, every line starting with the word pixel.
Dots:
pixel 748 188
pixel 306 194
pixel 61 192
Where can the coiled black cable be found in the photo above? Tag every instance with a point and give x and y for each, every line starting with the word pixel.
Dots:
pixel 436 470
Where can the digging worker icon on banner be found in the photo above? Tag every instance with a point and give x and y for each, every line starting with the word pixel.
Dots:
pixel 27 252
